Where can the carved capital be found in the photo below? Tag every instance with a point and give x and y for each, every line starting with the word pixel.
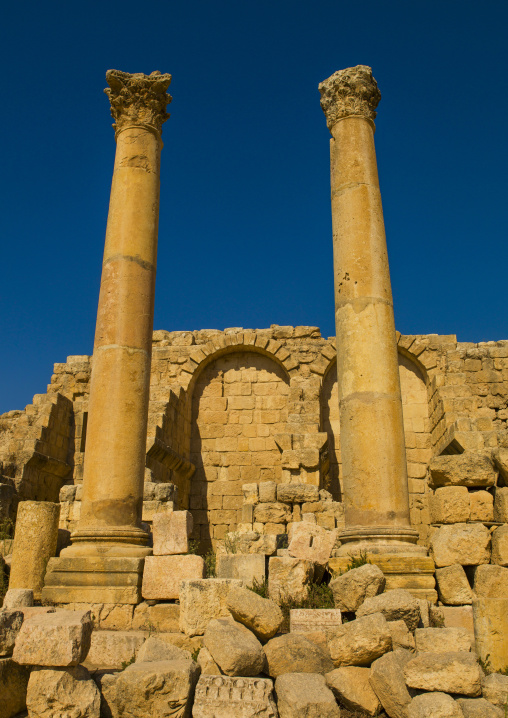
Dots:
pixel 349 92
pixel 138 99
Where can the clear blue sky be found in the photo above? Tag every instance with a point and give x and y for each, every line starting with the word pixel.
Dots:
pixel 245 227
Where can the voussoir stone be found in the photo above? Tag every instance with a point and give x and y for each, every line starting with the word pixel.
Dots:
pixel 54 639
pixel 448 672
pixel 55 693
pixel 466 544
pixel 289 578
pixel 156 649
pixel 397 604
pixel 305 695
pixel 204 599
pixel 352 588
pixel 495 689
pixel 434 705
pixel 360 642
pixel 453 586
pixel 351 686
pixel 388 682
pixel 260 615
pixel 293 653
pixel 228 697
pixel 479 708
pixel 442 640
pixel 466 469
pixel 234 648
pixel 10 626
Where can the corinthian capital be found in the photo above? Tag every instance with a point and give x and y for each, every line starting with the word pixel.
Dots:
pixel 349 92
pixel 138 99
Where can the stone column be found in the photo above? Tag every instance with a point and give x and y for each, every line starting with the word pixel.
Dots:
pixel 371 426
pixel 110 523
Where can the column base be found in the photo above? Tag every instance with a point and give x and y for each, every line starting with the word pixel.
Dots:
pixel 379 539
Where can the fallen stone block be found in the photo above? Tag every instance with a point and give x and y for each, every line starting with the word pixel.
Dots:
pixel 314 620
pixel 62 692
pixel 479 708
pixel 401 635
pixel 18 597
pixel 234 698
pixel 352 588
pixel 397 604
pixel 260 615
pixel 304 695
pixel 207 664
pixel 360 642
pixel 256 542
pixel 466 469
pixel 500 546
pixel 452 585
pixel 293 653
pixel 501 504
pixel 113 649
pixel 482 506
pixel 163 575
pixel 289 578
pixel 171 533
pixel 157 649
pixel 204 599
pixel 495 689
pixel 436 704
pixel 54 639
pixel 442 640
pixel 450 505
pixel 163 617
pixel 388 682
pixel 311 542
pixel 10 626
pixel 13 687
pixel 466 544
pixel 351 686
pixel 446 672
pixel 490 581
pixel 247 567
pixel 234 648
pixel 297 493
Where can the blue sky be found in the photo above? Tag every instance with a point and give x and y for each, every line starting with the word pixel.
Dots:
pixel 245 226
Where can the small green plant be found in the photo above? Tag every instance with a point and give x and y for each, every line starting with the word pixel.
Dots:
pixel 193 546
pixel 195 654
pixel 259 587
pixel 210 564
pixel 231 543
pixel 357 560
pixel 485 664
pixel 320 596
pixel 128 663
pixel 151 628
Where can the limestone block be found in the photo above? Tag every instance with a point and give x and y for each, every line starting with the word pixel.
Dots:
pixel 495 689
pixel 171 533
pixel 468 469
pixel 207 664
pixel 61 692
pixel 447 672
pixel 501 504
pixel 204 599
pixel 360 642
pixel 250 493
pixel 181 640
pixel 112 649
pixel 442 640
pixel 54 639
pixel 13 687
pixel 311 542
pixel 35 541
pixel 18 597
pixel 305 695
pixel 467 544
pixel 289 578
pixel 255 542
pixel 248 567
pixel 260 615
pixel 457 617
pixel 10 626
pixel 450 505
pixel 352 588
pixel 267 492
pixel 479 708
pixel 491 631
pixel 351 686
pixel 275 513
pixel 161 617
pixel 293 652
pixel 297 493
pixel 500 457
pixel 500 546
pixel 424 612
pixel 163 575
pixel 394 605
pixel 490 581
pixel 314 620
pixel 401 635
pixel 161 688
pixel 234 698
pixel 453 586
pixel 387 680
pixel 234 648
pixel 157 649
pixel 482 506
pixel 434 704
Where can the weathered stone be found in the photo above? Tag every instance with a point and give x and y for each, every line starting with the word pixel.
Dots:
pixel 163 575
pixel 352 588
pixel 289 578
pixel 447 672
pixel 171 532
pixel 54 639
pixel 394 605
pixel 267 492
pixel 293 652
pixel 207 664
pixel 490 581
pixel 305 695
pixel 467 544
pixel 479 708
pixel 482 506
pixel 13 687
pixel 254 542
pixel 449 505
pixel 501 504
pixel 424 612
pixel 54 693
pixel 250 493
pixel 387 680
pixel 18 597
pixel 227 697
pixel 360 642
pixel 495 689
pixel 248 567
pixel 275 513
pixel 181 640
pixel 161 617
pixel 234 648
pixel 500 546
pixel 260 615
pixel 442 640
pixel 433 705
pixel 401 635
pixel 310 541
pixel 156 649
pixel 113 649
pixel 10 625
pixel 204 599
pixel 453 586
pixel 297 493
pixel 314 620
pixel 351 686
pixel 491 631
pixel 162 688
pixel 466 469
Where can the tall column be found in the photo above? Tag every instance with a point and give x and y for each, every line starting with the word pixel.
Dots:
pixel 371 426
pixel 110 523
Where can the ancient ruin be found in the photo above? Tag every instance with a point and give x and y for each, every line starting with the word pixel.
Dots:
pixel 257 522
